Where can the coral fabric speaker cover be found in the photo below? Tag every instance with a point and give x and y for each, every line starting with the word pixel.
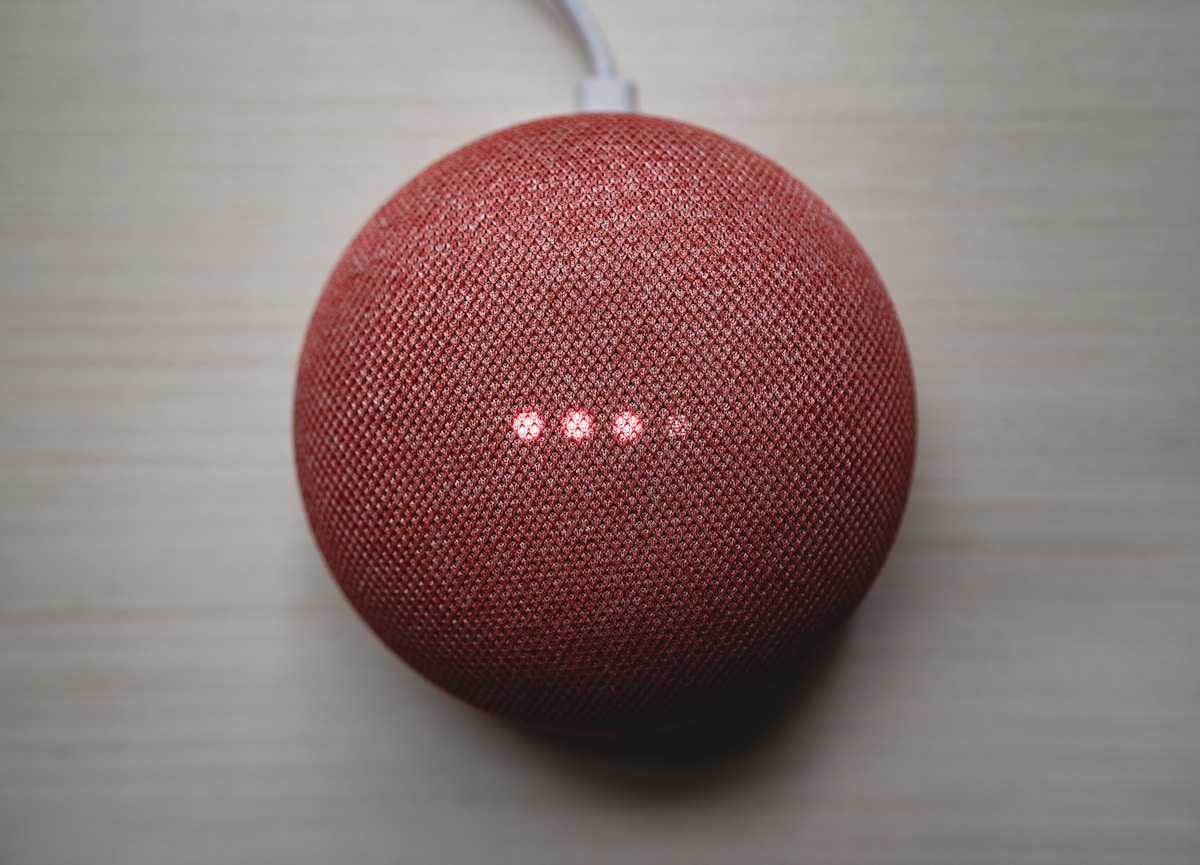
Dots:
pixel 602 420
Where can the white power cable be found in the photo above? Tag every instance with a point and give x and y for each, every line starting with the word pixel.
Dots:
pixel 593 40
pixel 603 90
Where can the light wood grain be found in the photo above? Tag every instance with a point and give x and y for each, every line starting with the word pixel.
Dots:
pixel 181 682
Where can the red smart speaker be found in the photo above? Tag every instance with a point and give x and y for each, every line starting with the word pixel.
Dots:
pixel 602 420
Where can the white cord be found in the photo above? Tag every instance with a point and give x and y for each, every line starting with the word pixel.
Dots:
pixel 603 90
pixel 585 25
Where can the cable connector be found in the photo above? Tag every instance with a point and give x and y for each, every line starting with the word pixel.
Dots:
pixel 605 93
pixel 603 90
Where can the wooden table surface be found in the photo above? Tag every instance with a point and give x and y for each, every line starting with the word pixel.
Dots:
pixel 181 682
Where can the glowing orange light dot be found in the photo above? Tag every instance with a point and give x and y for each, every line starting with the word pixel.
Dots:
pixel 577 425
pixel 627 426
pixel 528 425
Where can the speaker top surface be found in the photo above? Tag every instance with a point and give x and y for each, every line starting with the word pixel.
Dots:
pixel 602 420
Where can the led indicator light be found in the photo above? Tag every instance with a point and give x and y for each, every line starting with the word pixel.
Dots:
pixel 627 427
pixel 577 425
pixel 528 425
pixel 678 426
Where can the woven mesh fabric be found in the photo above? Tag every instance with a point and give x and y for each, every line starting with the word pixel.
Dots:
pixel 602 420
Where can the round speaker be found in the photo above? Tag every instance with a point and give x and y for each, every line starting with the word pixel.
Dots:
pixel 602 421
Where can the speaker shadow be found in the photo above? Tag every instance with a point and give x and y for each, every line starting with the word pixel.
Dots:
pixel 710 755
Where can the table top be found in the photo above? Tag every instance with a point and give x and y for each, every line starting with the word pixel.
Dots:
pixel 181 681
